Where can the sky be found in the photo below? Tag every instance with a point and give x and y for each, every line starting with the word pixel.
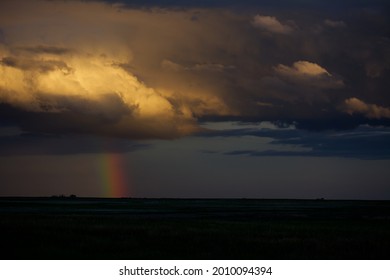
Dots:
pixel 195 99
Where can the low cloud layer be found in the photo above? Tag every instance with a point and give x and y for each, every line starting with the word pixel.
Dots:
pixel 364 142
pixel 140 73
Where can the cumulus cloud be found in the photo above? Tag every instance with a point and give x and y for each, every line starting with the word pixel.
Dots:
pixel 271 24
pixel 372 111
pixel 308 73
pixel 89 85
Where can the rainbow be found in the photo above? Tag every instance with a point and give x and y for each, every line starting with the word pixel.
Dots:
pixel 113 175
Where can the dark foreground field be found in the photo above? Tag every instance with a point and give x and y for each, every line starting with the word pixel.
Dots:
pixel 86 228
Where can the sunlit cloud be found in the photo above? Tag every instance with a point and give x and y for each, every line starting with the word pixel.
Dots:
pixel 271 24
pixel 356 106
pixel 305 72
pixel 302 68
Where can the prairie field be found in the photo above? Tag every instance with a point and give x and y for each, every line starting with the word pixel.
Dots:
pixel 97 228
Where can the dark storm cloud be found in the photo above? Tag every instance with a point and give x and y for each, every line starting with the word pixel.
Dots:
pixel 73 119
pixel 22 144
pixel 365 142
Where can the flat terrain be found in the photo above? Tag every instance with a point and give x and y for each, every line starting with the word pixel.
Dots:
pixel 94 228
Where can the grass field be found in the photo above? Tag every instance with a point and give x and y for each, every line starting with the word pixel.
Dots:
pixel 93 228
